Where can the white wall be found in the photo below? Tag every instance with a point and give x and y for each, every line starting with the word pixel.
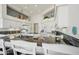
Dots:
pixel 74 18
pixel 8 23
pixel 48 24
pixel 62 16
pixel 68 16
pixel 37 19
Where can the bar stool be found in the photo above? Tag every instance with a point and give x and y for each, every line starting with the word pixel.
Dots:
pixel 2 45
pixel 23 47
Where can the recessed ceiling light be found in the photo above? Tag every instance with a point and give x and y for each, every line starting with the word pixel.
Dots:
pixel 36 5
pixel 31 12
pixel 38 10
pixel 25 7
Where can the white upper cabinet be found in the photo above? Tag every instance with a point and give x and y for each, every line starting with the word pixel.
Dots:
pixel 0 10
pixel 1 20
pixel 14 14
pixel 62 16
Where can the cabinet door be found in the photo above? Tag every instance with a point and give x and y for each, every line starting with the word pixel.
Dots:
pixel 1 19
pixel 62 16
pixel 35 27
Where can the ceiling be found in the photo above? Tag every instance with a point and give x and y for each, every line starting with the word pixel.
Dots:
pixel 33 9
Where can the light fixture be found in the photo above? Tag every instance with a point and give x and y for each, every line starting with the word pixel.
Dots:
pixel 36 5
pixel 38 10
pixel 25 7
pixel 31 12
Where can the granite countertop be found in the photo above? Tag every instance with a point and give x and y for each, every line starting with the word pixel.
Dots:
pixel 9 31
